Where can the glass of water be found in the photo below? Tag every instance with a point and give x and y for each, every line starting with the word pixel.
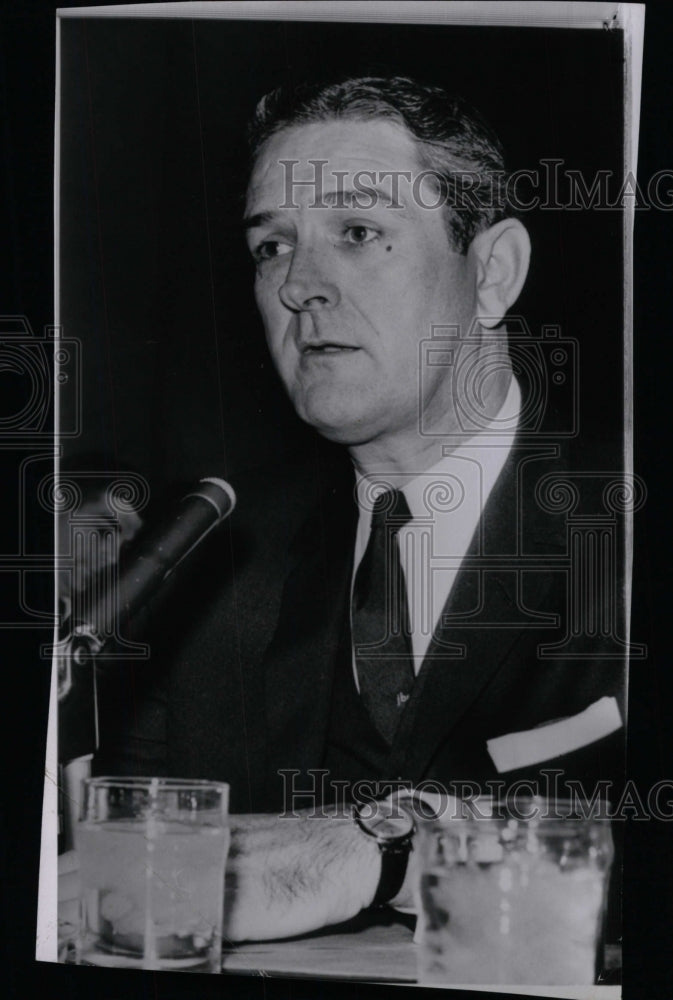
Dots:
pixel 512 893
pixel 152 854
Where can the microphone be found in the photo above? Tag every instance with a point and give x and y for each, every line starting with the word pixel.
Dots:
pixel 159 552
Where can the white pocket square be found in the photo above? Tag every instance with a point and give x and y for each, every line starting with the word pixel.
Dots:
pixel 532 746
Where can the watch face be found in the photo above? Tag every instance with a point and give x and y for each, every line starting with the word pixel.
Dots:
pixel 386 821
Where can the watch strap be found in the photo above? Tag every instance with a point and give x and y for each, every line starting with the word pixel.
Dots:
pixel 394 862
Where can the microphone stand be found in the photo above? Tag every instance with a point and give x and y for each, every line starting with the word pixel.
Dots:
pixel 78 661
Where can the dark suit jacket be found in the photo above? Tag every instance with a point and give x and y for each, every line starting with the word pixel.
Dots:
pixel 243 651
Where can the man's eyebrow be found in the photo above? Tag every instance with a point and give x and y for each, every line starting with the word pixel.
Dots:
pixel 343 198
pixel 349 198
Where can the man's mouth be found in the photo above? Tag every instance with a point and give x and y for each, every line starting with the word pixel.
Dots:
pixel 329 347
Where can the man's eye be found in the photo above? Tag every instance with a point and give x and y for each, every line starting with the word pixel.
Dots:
pixel 270 249
pixel 359 235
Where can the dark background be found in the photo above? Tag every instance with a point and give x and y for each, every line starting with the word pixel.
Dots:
pixel 176 376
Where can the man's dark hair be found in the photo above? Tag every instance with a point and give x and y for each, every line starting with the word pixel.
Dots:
pixel 458 148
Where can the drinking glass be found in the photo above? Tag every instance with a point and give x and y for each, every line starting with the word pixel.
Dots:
pixel 152 854
pixel 513 893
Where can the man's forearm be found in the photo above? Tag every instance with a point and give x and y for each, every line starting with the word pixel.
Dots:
pixel 288 876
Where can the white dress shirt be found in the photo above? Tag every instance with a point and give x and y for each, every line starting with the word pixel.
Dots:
pixel 446 503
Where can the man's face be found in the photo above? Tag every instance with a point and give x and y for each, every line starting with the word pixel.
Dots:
pixel 347 292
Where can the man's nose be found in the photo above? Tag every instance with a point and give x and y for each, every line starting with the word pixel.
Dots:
pixel 308 286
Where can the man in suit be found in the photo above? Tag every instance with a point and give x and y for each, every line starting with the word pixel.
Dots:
pixel 405 617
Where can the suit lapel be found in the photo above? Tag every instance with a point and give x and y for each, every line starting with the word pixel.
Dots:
pixel 481 621
pixel 299 663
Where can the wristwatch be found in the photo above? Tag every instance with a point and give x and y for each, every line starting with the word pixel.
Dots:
pixel 392 827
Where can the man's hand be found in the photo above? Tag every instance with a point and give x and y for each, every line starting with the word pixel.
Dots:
pixel 288 876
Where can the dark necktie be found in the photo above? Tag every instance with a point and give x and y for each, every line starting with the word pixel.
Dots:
pixel 380 619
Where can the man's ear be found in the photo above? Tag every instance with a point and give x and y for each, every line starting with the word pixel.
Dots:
pixel 502 254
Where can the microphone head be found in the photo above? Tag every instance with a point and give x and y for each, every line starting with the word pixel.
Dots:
pixel 219 493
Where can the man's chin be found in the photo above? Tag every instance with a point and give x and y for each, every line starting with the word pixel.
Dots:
pixel 338 424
